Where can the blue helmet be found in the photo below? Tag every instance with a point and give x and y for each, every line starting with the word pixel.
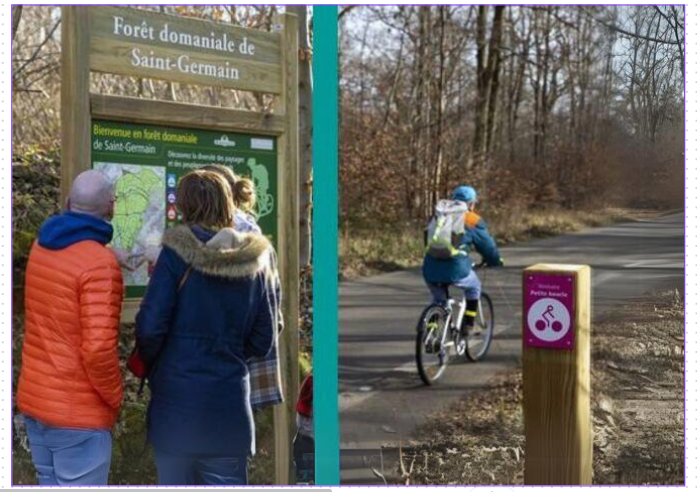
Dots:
pixel 465 194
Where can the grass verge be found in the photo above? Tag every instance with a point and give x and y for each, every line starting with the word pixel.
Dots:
pixel 368 251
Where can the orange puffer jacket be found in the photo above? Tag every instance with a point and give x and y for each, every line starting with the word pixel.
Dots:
pixel 70 374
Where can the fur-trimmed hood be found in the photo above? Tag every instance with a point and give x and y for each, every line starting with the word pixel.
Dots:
pixel 228 253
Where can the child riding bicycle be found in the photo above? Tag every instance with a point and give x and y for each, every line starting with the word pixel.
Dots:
pixel 454 230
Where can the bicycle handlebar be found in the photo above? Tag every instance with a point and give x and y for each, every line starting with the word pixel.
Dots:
pixel 483 264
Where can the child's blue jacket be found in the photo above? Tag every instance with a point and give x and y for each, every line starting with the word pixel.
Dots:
pixel 476 237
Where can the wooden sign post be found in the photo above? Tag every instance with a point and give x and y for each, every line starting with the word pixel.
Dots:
pixel 556 375
pixel 146 145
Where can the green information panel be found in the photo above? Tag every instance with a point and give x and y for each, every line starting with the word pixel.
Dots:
pixel 145 163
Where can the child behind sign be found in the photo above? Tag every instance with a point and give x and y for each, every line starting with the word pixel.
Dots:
pixel 243 194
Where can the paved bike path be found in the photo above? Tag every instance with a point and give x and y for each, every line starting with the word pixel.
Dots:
pixel 381 398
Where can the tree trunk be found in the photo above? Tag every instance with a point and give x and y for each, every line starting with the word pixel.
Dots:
pixel 494 67
pixel 488 68
pixel 479 139
pixel 423 123
pixel 439 104
pixel 305 150
pixel 517 94
pixel 16 16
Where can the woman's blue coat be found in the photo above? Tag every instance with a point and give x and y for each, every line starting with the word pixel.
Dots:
pixel 196 338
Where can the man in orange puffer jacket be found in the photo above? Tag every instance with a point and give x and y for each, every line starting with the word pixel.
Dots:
pixel 70 385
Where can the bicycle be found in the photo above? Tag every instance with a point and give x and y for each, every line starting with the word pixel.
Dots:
pixel 439 335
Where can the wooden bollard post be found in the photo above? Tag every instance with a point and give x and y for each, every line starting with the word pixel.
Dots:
pixel 556 375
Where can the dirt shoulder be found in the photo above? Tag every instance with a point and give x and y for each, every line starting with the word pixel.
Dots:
pixel 637 401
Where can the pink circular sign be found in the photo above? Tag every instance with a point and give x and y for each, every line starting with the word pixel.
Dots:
pixel 548 304
pixel 549 319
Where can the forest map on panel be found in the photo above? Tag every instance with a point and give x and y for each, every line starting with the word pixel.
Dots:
pixel 145 163
pixel 132 198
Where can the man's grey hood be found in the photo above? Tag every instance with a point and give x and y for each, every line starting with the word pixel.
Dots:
pixel 228 254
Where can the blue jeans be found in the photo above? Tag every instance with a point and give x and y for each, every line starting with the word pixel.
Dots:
pixel 471 285
pixel 64 456
pixel 174 469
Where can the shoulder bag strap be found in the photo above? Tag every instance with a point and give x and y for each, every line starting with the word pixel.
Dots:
pixel 184 278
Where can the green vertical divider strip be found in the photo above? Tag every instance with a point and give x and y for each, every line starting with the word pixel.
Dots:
pixel 325 142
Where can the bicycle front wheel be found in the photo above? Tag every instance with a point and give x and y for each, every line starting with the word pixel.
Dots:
pixel 433 343
pixel 478 338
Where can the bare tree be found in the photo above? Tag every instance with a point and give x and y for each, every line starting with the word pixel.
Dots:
pixel 551 105
pixel 488 69
pixel 16 16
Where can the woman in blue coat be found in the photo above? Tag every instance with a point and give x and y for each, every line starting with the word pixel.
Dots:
pixel 211 304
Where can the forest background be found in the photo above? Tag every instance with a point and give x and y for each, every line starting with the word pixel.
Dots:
pixel 562 117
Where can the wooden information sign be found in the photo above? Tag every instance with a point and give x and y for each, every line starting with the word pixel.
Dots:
pixel 146 145
pixel 148 44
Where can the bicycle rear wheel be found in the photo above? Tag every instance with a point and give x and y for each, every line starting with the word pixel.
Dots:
pixel 433 343
pixel 479 339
